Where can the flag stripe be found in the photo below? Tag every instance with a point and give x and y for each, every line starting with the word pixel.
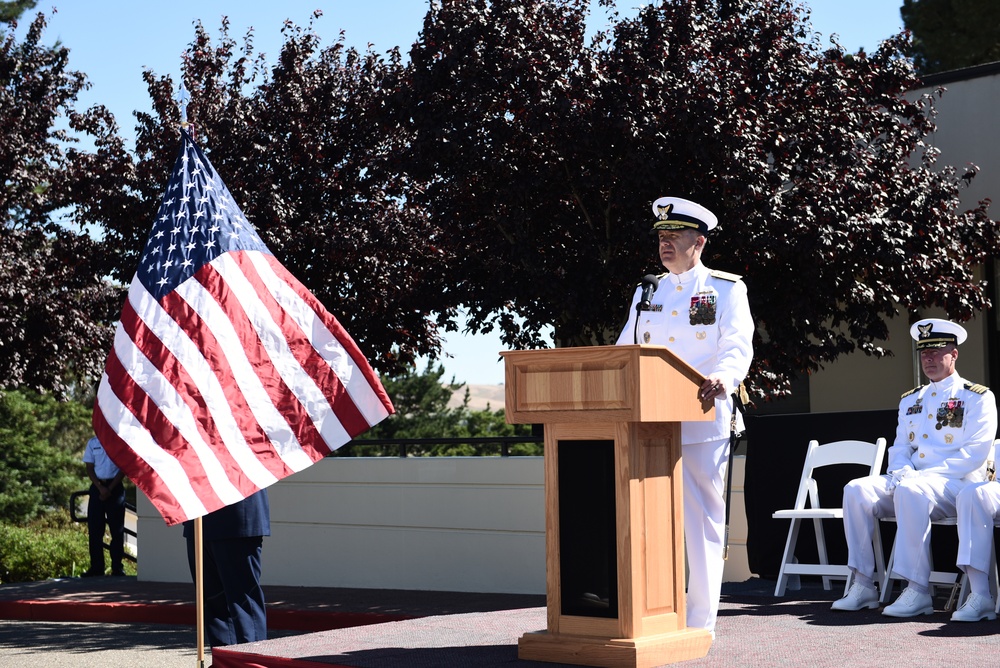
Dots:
pixel 200 314
pixel 330 340
pixel 172 352
pixel 113 423
pixel 169 423
pixel 146 441
pixel 343 419
pixel 269 360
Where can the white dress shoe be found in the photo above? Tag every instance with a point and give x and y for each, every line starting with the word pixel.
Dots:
pixel 976 607
pixel 910 604
pixel 858 597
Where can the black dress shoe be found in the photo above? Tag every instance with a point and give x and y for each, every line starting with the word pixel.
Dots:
pixel 118 574
pixel 91 574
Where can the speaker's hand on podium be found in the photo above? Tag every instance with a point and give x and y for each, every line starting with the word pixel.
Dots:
pixel 712 388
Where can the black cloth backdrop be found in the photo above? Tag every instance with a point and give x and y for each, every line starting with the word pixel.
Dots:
pixel 776 450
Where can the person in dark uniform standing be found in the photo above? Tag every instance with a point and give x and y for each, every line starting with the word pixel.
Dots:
pixel 233 537
pixel 703 316
pixel 106 506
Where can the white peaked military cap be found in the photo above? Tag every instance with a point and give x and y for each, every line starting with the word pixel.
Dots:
pixel 674 213
pixel 937 333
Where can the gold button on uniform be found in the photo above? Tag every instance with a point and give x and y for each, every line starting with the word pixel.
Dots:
pixel 673 313
pixel 679 288
pixel 671 339
pixel 922 454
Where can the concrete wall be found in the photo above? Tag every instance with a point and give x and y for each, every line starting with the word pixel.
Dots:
pixel 967 130
pixel 859 382
pixel 444 523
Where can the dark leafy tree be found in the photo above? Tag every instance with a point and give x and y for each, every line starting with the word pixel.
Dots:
pixel 55 305
pixel 952 34
pixel 305 150
pixel 544 150
pixel 509 168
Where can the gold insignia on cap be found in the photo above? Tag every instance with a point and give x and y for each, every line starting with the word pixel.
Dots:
pixel 925 330
pixel 663 212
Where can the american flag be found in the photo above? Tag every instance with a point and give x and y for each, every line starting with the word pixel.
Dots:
pixel 226 374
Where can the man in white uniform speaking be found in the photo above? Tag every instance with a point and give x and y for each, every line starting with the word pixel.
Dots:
pixel 703 317
pixel 944 435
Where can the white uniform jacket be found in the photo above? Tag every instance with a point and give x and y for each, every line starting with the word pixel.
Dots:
pixel 946 428
pixel 703 317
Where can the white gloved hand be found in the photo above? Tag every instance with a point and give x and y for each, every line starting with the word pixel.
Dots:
pixel 899 474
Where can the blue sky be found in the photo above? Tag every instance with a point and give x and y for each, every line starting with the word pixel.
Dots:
pixel 113 41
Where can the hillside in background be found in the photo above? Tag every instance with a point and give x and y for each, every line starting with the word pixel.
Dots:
pixel 481 397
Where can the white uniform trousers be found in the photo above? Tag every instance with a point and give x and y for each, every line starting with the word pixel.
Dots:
pixel 704 467
pixel 978 506
pixel 914 503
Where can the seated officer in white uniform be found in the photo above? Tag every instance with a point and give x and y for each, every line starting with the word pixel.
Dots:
pixel 703 316
pixel 978 508
pixel 943 438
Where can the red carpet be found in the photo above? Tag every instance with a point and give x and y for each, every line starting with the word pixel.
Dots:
pixel 145 613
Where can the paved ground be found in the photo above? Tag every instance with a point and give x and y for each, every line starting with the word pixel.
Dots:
pixel 447 629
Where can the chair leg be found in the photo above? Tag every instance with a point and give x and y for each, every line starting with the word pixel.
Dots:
pixel 786 558
pixel 887 579
pixel 994 578
pixel 879 556
pixel 821 550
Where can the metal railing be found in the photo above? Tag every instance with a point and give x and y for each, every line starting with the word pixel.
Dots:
pixel 479 443
pixel 74 506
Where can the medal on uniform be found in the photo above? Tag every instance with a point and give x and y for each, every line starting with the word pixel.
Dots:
pixel 911 437
pixel 702 309
pixel 646 337
pixel 948 438
pixel 951 414
pixel 915 408
pixel 701 336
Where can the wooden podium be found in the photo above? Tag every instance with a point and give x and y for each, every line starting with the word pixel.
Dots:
pixel 614 529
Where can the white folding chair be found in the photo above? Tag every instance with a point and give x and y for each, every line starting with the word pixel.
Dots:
pixel 808 507
pixel 957 582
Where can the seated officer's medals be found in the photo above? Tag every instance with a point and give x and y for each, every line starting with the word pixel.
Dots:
pixel 702 310
pixel 950 414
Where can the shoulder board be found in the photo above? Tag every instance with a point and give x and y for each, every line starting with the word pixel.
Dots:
pixel 906 394
pixel 724 275
pixel 975 387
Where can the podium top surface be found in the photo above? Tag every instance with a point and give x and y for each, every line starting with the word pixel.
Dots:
pixel 634 383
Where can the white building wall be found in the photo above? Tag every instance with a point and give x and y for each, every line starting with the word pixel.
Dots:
pixel 474 524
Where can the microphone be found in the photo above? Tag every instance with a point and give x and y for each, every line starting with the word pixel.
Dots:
pixel 649 285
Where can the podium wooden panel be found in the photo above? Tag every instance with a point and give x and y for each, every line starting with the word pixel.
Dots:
pixel 634 397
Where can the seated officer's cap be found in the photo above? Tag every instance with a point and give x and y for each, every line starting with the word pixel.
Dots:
pixel 937 333
pixel 674 213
